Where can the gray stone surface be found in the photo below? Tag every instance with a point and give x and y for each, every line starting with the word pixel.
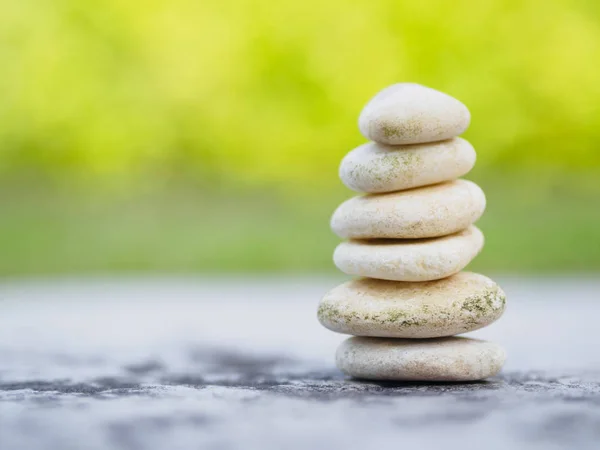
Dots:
pixel 243 363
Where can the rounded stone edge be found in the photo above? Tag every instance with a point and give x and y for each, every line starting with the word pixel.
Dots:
pixel 356 358
pixel 338 221
pixel 476 311
pixel 385 128
pixel 375 168
pixel 408 270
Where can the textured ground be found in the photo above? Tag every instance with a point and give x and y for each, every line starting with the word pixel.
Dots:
pixel 232 363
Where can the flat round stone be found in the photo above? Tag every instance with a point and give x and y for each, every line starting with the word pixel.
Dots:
pixel 409 259
pixel 443 359
pixel 376 168
pixel 367 307
pixel 424 212
pixel 408 113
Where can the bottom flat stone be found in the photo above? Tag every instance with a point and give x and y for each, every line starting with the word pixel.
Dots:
pixel 442 359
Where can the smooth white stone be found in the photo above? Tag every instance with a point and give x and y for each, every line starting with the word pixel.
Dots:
pixel 443 359
pixel 376 168
pixel 409 113
pixel 367 307
pixel 409 260
pixel 425 212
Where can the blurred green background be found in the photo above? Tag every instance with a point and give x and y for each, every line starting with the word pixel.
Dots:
pixel 192 136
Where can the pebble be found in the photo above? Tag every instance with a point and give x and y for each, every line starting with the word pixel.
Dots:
pixel 412 259
pixel 367 307
pixel 424 212
pixel 376 168
pixel 444 359
pixel 409 113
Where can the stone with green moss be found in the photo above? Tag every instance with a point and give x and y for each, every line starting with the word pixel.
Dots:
pixel 368 307
pixel 376 168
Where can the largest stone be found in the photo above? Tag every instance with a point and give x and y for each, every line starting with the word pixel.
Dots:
pixel 367 307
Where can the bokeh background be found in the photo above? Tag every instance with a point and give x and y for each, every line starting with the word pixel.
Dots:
pixel 204 136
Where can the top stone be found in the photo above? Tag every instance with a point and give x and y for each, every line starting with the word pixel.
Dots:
pixel 408 113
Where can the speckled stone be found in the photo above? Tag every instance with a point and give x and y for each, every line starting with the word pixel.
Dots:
pixel 444 359
pixel 376 168
pixel 408 113
pixel 425 212
pixel 367 307
pixel 409 259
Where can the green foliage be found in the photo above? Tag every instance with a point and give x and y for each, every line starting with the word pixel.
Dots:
pixel 268 92
pixel 236 94
pixel 188 232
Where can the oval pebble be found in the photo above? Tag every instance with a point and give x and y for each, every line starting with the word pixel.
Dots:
pixel 424 212
pixel 409 260
pixel 409 113
pixel 443 359
pixel 367 307
pixel 376 168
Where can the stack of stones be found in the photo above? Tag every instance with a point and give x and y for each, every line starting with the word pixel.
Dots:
pixel 408 239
